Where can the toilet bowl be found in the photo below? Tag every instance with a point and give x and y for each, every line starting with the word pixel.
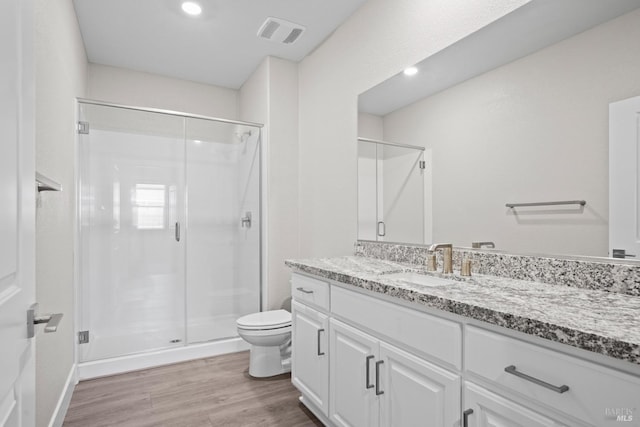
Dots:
pixel 269 333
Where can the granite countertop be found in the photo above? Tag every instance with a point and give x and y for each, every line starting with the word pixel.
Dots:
pixel 602 322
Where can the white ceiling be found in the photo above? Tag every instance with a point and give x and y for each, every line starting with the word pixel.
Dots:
pixel 531 27
pixel 219 47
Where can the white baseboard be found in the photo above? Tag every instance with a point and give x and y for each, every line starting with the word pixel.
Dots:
pixel 57 418
pixel 134 362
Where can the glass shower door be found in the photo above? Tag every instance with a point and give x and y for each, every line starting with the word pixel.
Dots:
pixel 391 192
pixel 132 238
pixel 223 249
pixel 403 189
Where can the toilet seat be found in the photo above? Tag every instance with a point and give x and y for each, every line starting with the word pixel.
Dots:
pixel 265 320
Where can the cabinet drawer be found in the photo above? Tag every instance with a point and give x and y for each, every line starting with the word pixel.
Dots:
pixel 489 409
pixel 310 291
pixel 427 335
pixel 595 392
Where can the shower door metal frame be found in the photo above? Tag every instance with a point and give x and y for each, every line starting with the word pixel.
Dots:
pixel 169 112
pixel 78 209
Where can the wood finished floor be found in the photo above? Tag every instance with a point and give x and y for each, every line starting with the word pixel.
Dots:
pixel 206 392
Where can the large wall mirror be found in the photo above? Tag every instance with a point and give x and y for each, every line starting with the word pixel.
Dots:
pixel 516 113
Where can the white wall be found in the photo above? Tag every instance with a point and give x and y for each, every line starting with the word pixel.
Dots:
pixel 377 41
pixel 123 86
pixel 370 126
pixel 533 130
pixel 270 96
pixel 61 69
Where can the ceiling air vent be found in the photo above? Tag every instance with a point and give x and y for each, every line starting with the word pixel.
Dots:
pixel 280 31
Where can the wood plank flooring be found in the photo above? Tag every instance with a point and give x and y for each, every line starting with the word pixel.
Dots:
pixel 202 393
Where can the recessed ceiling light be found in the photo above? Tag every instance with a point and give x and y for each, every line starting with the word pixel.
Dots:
pixel 191 8
pixel 410 71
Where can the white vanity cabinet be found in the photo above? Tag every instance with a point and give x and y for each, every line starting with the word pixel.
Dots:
pixel 310 351
pixel 352 391
pixel 348 371
pixel 364 360
pixel 373 383
pixel 310 365
pixel 557 383
pixel 487 409
pixel 416 390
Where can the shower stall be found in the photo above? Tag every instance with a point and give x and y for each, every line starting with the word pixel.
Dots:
pixel 169 232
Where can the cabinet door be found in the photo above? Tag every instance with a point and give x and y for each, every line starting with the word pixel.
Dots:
pixel 491 410
pixel 310 356
pixel 353 401
pixel 415 391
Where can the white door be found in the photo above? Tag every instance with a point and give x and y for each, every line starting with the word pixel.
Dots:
pixel 624 178
pixel 352 382
pixel 310 364
pixel 485 409
pixel 415 391
pixel 17 213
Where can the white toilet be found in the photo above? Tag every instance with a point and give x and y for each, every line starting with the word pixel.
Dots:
pixel 269 333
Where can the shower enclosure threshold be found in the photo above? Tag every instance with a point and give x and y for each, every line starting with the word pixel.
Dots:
pixel 134 362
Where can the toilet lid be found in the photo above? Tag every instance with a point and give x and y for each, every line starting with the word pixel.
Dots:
pixel 265 320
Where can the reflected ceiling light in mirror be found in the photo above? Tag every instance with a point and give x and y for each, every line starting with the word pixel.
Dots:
pixel 411 71
pixel 191 8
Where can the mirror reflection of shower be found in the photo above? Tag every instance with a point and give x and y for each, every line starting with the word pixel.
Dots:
pixel 393 183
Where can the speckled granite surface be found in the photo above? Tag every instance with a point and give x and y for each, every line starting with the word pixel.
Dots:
pixel 612 276
pixel 602 322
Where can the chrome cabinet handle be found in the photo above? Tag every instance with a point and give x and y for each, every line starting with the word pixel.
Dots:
pixel 378 391
pixel 320 353
pixel 177 231
pixel 301 289
pixel 511 369
pixel 465 417
pixel 366 384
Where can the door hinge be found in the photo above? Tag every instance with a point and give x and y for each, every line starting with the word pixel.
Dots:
pixel 422 164
pixel 83 337
pixel 83 128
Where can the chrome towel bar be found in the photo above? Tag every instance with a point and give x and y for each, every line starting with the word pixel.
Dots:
pixel 563 202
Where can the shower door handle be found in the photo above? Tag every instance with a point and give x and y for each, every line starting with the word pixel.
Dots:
pixel 177 231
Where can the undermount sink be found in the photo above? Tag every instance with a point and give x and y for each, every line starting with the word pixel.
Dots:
pixel 419 279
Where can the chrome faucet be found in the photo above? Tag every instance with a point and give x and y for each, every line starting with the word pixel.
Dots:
pixel 447 254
